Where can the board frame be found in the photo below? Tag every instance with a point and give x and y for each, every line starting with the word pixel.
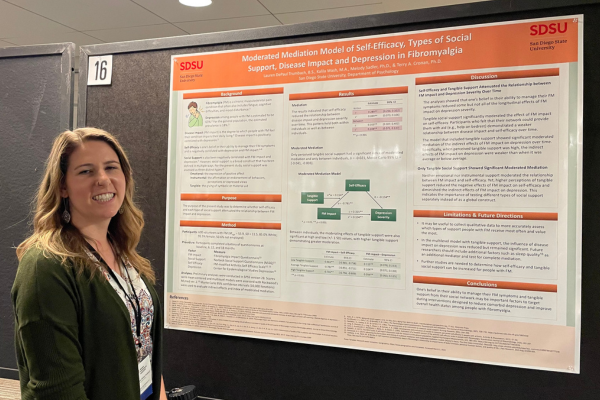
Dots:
pixel 504 9
pixel 66 52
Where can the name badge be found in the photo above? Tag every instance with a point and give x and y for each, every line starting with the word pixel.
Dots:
pixel 145 371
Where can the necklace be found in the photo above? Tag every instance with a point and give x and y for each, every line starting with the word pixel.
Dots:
pixel 130 296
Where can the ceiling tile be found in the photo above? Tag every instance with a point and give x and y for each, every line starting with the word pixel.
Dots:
pixel 85 15
pixel 137 33
pixel 173 11
pixel 287 6
pixel 230 24
pixel 403 5
pixel 78 38
pixel 15 21
pixel 321 15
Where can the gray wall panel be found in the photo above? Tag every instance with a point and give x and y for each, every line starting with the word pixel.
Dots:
pixel 33 101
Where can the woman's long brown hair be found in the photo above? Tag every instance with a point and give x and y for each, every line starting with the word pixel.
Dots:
pixel 62 240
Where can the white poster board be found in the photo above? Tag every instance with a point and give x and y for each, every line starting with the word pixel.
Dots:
pixel 415 193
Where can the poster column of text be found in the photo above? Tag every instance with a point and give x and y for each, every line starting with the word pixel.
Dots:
pixel 230 197
pixel 486 194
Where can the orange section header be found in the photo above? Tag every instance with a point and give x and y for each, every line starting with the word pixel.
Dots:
pixel 531 216
pixel 533 73
pixel 478 283
pixel 231 225
pixel 233 93
pixel 349 93
pixel 544 41
pixel 275 198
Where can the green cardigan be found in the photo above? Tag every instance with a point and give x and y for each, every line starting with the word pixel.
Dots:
pixel 73 335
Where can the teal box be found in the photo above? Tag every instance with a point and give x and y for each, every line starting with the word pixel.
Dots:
pixel 313 198
pixel 358 185
pixel 329 213
pixel 379 214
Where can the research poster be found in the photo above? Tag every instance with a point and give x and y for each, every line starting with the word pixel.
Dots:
pixel 415 193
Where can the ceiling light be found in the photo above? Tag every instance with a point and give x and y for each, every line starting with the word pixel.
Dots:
pixel 196 3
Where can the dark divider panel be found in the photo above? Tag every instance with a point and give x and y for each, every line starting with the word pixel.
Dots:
pixel 35 105
pixel 136 108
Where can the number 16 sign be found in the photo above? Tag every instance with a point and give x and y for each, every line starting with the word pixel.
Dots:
pixel 99 70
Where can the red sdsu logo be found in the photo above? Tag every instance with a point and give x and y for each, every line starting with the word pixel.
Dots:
pixel 185 66
pixel 543 29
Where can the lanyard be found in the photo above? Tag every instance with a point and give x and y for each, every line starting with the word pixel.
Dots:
pixel 137 312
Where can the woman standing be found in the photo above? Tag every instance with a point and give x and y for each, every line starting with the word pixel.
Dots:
pixel 88 322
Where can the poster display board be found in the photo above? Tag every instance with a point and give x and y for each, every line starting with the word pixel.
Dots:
pixel 35 104
pixel 415 193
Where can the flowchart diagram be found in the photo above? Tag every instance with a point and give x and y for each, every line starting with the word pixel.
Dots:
pixel 353 186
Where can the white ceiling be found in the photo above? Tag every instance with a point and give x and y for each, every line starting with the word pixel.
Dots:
pixel 28 22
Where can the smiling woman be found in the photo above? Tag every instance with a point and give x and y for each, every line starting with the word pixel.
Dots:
pixel 88 319
pixel 94 184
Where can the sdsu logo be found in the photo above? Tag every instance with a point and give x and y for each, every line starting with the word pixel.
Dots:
pixel 187 65
pixel 543 29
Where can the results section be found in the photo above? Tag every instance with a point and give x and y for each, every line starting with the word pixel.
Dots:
pixel 346 185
